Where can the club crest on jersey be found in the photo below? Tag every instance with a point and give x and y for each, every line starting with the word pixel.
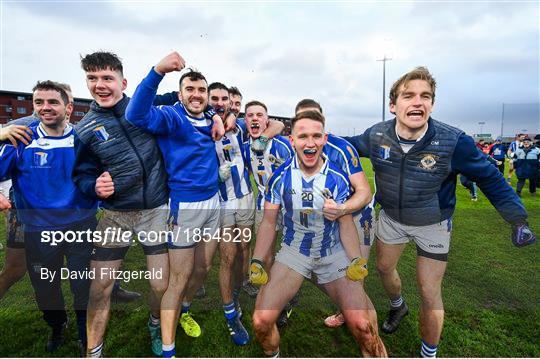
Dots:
pixel 428 162
pixel 354 159
pixel 272 159
pixel 40 159
pixel 101 133
pixel 384 152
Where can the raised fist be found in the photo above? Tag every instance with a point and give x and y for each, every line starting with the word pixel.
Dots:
pixel 171 62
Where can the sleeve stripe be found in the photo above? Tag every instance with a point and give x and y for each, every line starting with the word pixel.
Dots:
pixel 280 141
pixel 340 175
pixel 343 155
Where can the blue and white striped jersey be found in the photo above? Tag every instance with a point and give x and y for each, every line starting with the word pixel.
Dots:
pixel 46 196
pixel 342 153
pixel 514 145
pixel 229 149
pixel 301 199
pixel 263 164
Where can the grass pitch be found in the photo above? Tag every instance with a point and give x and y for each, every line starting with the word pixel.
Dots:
pixel 491 292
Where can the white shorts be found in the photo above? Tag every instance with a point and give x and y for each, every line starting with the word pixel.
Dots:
pixel 4 188
pixel 193 222
pixel 149 225
pixel 327 269
pixel 238 211
pixel 432 241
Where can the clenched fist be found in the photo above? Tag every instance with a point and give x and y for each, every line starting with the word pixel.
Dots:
pixel 171 62
pixel 104 185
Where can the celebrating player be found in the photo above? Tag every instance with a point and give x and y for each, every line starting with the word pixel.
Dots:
pixel 120 165
pixel 311 243
pixel 186 137
pixel 48 200
pixel 416 159
pixel 360 204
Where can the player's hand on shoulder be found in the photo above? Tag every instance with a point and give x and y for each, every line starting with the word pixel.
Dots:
pixel 257 273
pixel 522 235
pixel 104 185
pixel 171 62
pixel 14 133
pixel 357 269
pixel 230 122
pixel 218 130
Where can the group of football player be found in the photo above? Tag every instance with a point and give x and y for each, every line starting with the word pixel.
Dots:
pixel 180 164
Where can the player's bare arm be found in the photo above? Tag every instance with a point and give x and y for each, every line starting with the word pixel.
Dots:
pixel 360 198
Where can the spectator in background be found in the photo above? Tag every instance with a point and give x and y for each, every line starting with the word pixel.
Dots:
pixel 526 165
pixel 498 153
pixel 514 145
pixel 480 144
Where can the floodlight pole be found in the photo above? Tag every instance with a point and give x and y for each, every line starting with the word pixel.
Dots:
pixel 384 59
pixel 502 120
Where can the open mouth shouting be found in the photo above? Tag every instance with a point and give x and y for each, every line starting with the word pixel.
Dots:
pixel 310 154
pixel 104 97
pixel 416 115
pixel 255 129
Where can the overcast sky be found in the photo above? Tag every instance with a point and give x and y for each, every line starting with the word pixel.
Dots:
pixel 483 54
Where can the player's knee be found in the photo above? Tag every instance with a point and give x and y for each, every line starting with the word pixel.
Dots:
pixel 261 322
pixel 100 290
pixel 202 270
pixel 384 268
pixel 430 293
pixel 178 279
pixel 158 287
pixel 226 261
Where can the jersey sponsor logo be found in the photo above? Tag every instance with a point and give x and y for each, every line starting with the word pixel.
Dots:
pixel 354 159
pixel 42 142
pixel 434 143
pixel 428 162
pixel 40 159
pixel 304 217
pixel 384 152
pixel 101 133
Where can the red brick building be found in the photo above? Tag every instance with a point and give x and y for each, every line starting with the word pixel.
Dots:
pixel 15 105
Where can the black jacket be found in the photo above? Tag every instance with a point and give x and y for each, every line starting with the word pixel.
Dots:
pixel 105 141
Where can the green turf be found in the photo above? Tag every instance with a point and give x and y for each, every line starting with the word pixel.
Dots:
pixel 491 292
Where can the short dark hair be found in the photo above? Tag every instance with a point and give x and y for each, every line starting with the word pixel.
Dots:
pixel 419 73
pixel 193 75
pixel 102 60
pixel 233 90
pixel 52 86
pixel 256 103
pixel 217 86
pixel 306 103
pixel 309 114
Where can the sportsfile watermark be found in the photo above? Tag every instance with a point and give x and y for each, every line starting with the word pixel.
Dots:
pixel 115 235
